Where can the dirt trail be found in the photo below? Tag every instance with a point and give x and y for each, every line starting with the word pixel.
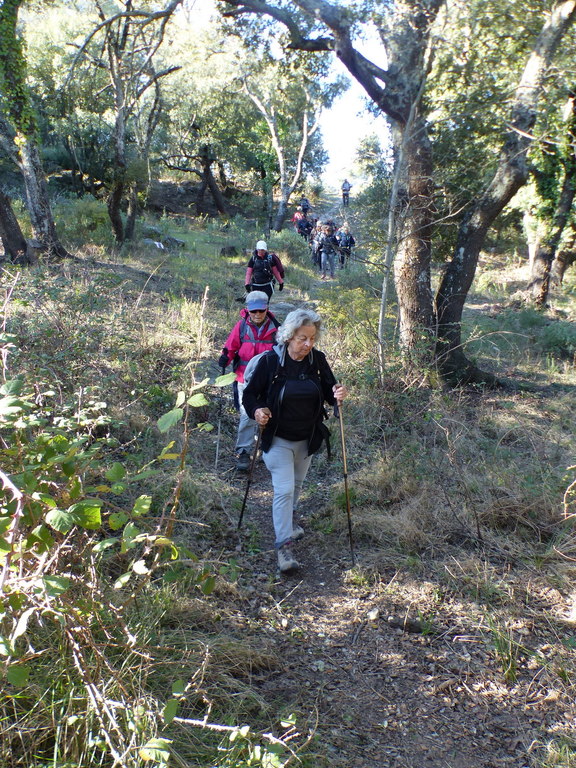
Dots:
pixel 384 697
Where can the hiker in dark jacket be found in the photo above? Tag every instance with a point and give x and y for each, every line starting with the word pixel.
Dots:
pixel 264 269
pixel 328 249
pixel 346 242
pixel 254 333
pixel 285 395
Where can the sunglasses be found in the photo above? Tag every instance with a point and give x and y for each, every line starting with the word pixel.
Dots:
pixel 256 311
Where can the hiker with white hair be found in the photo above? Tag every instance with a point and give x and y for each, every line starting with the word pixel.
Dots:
pixel 264 270
pixel 285 395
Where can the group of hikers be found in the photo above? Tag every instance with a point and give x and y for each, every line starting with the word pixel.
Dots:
pixel 282 384
pixel 329 244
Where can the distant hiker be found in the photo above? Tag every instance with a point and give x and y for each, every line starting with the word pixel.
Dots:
pixel 264 269
pixel 285 395
pixel 254 333
pixel 304 228
pixel 314 241
pixel 346 187
pixel 305 205
pixel 346 242
pixel 328 249
pixel 298 216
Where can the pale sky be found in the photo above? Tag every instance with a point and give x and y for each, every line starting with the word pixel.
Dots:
pixel 347 122
pixel 343 128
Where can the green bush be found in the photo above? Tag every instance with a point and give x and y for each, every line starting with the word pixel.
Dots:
pixel 84 219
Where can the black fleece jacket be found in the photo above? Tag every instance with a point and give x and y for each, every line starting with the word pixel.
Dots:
pixel 266 388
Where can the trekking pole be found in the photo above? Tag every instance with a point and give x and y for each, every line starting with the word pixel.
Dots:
pixel 250 473
pixel 338 412
pixel 220 396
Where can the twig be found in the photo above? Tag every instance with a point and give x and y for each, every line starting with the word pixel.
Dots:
pixel 14 525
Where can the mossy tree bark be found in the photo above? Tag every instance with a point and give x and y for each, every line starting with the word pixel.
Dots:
pixel 18 131
pixel 541 273
pixel 15 245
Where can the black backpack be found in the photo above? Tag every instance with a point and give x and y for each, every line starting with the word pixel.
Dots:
pixel 346 240
pixel 262 269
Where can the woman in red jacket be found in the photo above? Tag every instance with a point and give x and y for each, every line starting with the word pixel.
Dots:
pixel 255 332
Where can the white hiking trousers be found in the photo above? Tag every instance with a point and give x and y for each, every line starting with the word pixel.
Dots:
pixel 288 463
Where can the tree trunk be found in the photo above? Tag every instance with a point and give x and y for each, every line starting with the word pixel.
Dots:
pixel 546 253
pixel 414 222
pixel 217 196
pixel 565 257
pixel 41 218
pixel 15 245
pixel 268 196
pixel 281 213
pixel 18 130
pixel 115 212
pixel 132 212
pixel 533 235
pixel 510 175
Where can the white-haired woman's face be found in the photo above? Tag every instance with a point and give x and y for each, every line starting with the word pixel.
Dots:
pixel 302 342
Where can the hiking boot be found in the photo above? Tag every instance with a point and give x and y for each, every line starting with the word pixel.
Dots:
pixel 297 532
pixel 286 560
pixel 243 462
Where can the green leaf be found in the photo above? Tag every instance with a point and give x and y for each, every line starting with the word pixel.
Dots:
pixel 129 536
pixel 118 488
pixel 10 406
pixel 130 532
pixel 170 419
pixel 69 467
pixel 22 624
pixel 200 385
pixel 208 585
pixel 75 489
pixel 87 513
pixel 122 580
pixel 46 499
pixel 178 687
pixel 197 400
pixel 4 524
pixel 156 749
pixel 141 505
pixel 4 547
pixel 59 520
pixel 18 675
pixel 104 544
pixel 6 648
pixel 205 426
pixel 170 710
pixel 166 450
pixel 226 379
pixel 41 535
pixel 13 386
pixel 117 520
pixel 55 585
pixel 180 398
pixel 116 472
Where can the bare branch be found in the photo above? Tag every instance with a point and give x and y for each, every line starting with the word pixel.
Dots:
pixel 146 16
